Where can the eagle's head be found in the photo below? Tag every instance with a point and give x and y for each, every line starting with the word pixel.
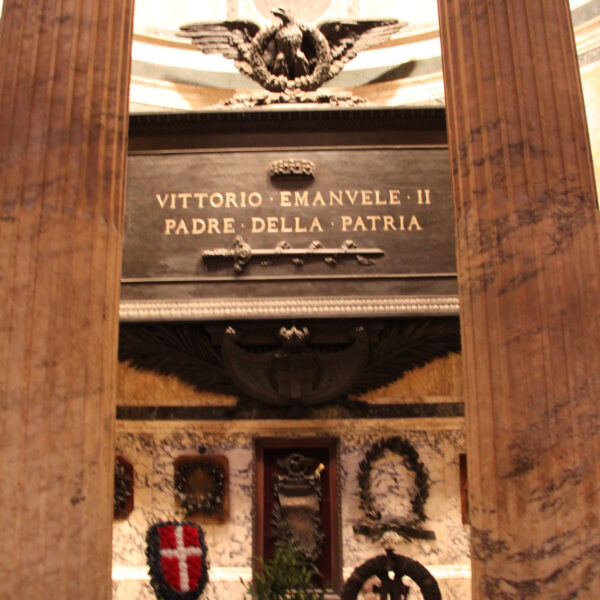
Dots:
pixel 283 13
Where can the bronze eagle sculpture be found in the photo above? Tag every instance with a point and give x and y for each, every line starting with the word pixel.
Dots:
pixel 289 56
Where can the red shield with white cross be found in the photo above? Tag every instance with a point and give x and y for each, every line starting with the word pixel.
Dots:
pixel 177 559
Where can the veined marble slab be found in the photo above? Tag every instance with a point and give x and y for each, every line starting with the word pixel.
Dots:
pixel 153 446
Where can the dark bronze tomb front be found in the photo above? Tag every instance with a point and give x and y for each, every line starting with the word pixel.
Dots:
pixel 290 225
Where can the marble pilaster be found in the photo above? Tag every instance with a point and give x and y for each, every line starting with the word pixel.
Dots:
pixel 64 78
pixel 528 264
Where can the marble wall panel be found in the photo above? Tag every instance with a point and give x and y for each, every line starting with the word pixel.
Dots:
pixel 152 448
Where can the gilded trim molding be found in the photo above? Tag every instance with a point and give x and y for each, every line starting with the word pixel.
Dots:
pixel 267 308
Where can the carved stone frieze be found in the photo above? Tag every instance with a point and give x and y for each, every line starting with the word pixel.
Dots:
pixel 337 99
pixel 284 365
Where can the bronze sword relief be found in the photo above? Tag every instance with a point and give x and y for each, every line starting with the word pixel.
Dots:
pixel 242 253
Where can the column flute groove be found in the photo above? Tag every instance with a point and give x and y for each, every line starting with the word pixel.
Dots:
pixel 528 261
pixel 64 83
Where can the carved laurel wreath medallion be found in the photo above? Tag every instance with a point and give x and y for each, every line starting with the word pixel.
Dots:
pixel 406 527
pixel 212 500
pixel 279 83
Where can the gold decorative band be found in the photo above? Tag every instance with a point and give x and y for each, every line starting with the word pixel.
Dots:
pixel 269 308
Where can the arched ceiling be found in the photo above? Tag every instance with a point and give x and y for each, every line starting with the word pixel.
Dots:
pixel 168 74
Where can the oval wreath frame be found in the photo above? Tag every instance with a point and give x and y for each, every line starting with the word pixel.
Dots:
pixel 402 447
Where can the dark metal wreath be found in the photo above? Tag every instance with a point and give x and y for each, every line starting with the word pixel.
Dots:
pixel 123 494
pixel 392 588
pixel 278 83
pixel 410 458
pixel 209 503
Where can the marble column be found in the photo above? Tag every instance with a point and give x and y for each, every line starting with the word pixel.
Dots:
pixel 64 78
pixel 529 274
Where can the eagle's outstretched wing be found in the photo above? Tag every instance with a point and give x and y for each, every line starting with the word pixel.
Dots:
pixel 232 39
pixel 184 351
pixel 405 345
pixel 348 38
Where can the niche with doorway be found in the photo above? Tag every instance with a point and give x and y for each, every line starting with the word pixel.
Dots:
pixel 297 500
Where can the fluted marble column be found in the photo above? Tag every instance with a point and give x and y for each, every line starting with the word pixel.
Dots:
pixel 64 76
pixel 529 273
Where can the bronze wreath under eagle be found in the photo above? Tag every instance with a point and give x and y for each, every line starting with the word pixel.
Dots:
pixel 289 56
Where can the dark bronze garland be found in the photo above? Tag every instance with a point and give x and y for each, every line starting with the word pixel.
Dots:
pixel 210 503
pixel 410 456
pixel 123 488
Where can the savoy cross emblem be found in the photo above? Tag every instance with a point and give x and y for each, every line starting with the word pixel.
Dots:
pixel 177 559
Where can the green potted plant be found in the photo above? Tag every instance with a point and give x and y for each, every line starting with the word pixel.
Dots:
pixel 287 576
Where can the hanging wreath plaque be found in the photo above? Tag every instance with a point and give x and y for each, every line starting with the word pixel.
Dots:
pixel 377 525
pixel 123 490
pixel 201 486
